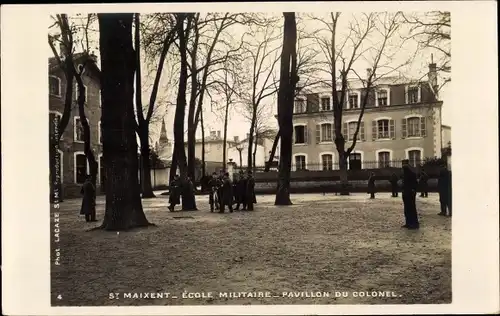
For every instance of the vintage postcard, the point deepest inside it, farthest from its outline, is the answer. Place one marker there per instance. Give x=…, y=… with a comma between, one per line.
x=250, y=158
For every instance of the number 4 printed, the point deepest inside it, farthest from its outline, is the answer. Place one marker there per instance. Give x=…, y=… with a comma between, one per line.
x=59, y=297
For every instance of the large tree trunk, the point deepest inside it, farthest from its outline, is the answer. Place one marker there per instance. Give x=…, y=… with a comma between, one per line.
x=288, y=81
x=192, y=105
x=123, y=201
x=173, y=166
x=241, y=158
x=188, y=197
x=254, y=152
x=273, y=152
x=344, y=183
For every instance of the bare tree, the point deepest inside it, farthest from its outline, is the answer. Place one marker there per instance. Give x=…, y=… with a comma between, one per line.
x=261, y=61
x=370, y=35
x=143, y=122
x=432, y=30
x=286, y=94
x=67, y=41
x=182, y=19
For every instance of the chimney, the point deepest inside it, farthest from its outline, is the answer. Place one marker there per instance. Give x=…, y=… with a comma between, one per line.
x=433, y=76
x=218, y=134
x=236, y=139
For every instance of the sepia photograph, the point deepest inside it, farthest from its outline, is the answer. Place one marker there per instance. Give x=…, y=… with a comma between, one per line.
x=249, y=158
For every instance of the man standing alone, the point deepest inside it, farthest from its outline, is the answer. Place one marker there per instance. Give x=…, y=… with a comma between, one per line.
x=410, y=185
x=444, y=188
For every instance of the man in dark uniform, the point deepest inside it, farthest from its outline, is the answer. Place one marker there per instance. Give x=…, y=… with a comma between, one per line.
x=227, y=194
x=220, y=182
x=371, y=185
x=394, y=184
x=174, y=195
x=213, y=186
x=410, y=186
x=241, y=188
x=422, y=182
x=250, y=191
x=444, y=189
x=88, y=201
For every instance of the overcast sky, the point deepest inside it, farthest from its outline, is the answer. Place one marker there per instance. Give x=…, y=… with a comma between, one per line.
x=238, y=126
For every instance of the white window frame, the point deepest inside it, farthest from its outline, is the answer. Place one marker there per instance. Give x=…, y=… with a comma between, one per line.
x=324, y=96
x=388, y=91
x=348, y=106
x=419, y=96
x=75, y=154
x=355, y=151
x=305, y=104
x=75, y=118
x=293, y=133
x=86, y=92
x=380, y=119
x=294, y=160
x=321, y=154
x=61, y=162
x=59, y=84
x=407, y=152
x=321, y=133
x=419, y=116
x=377, y=152
x=354, y=121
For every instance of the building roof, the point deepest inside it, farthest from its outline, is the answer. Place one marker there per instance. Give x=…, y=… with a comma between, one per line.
x=78, y=58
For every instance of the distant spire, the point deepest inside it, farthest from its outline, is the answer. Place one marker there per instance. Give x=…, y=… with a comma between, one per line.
x=432, y=58
x=163, y=133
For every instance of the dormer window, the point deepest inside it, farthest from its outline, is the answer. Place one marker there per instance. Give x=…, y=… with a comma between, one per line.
x=412, y=94
x=325, y=104
x=382, y=98
x=353, y=100
x=299, y=106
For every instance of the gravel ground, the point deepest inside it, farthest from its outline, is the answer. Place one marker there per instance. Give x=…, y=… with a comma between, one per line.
x=322, y=246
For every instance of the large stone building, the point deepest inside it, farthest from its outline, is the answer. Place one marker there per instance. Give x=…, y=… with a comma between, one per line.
x=401, y=120
x=73, y=164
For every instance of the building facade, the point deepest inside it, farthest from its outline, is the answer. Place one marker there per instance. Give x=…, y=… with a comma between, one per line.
x=73, y=166
x=401, y=120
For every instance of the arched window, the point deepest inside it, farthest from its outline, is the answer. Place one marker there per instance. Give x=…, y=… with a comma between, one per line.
x=326, y=132
x=384, y=159
x=414, y=126
x=81, y=167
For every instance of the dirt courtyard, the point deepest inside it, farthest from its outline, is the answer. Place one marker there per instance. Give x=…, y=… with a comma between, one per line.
x=308, y=253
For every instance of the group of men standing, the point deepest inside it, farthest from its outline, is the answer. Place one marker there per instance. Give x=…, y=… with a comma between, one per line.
x=411, y=184
x=223, y=192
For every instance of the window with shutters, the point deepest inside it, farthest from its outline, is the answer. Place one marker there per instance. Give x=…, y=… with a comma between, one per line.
x=327, y=161
x=383, y=129
x=350, y=130
x=413, y=94
x=300, y=162
x=300, y=134
x=382, y=98
x=414, y=127
x=77, y=91
x=326, y=132
x=54, y=86
x=353, y=101
x=325, y=104
x=78, y=130
x=299, y=106
x=414, y=157
x=80, y=168
x=384, y=159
